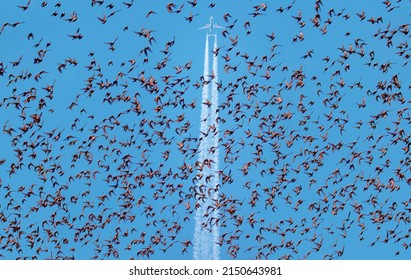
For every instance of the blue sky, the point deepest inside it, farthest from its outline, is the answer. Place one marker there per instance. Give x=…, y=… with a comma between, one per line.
x=257, y=114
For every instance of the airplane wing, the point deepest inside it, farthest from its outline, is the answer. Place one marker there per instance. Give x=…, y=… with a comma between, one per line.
x=217, y=26
x=206, y=26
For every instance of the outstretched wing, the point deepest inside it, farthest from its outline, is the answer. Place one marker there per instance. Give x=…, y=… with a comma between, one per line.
x=205, y=26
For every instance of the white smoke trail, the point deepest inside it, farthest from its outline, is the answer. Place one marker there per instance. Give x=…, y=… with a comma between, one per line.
x=215, y=155
x=204, y=108
x=206, y=232
x=198, y=232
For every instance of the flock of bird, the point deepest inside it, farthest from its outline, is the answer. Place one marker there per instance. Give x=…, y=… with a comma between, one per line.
x=99, y=112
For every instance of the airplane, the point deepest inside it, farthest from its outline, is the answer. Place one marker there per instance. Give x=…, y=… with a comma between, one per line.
x=211, y=25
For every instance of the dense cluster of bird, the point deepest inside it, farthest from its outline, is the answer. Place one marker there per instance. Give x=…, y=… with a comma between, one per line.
x=100, y=129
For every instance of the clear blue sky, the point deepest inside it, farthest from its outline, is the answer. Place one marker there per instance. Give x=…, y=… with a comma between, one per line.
x=259, y=114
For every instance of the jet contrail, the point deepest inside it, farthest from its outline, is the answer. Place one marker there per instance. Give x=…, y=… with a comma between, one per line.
x=215, y=155
x=198, y=232
x=206, y=232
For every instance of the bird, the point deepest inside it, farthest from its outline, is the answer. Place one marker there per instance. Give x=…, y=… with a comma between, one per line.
x=120, y=145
